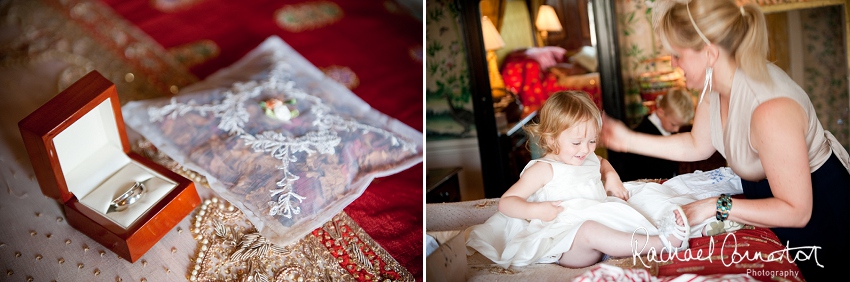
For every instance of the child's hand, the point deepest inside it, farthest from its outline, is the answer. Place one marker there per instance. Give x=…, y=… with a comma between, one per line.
x=615, y=188
x=548, y=211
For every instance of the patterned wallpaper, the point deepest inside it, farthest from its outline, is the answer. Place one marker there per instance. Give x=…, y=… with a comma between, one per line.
x=448, y=104
x=825, y=67
x=825, y=80
x=637, y=44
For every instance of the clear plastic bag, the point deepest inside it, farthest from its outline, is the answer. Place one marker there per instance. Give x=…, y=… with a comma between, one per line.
x=288, y=169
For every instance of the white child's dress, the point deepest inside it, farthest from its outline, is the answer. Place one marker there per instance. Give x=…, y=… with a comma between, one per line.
x=511, y=241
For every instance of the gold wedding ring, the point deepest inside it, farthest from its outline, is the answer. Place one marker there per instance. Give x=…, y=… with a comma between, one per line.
x=131, y=196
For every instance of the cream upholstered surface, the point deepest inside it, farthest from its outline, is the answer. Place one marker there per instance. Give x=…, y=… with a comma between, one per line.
x=458, y=216
x=447, y=219
x=36, y=241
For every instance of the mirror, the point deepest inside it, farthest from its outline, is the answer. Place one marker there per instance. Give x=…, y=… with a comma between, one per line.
x=499, y=172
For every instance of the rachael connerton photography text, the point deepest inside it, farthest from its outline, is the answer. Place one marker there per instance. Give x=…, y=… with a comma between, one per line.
x=802, y=253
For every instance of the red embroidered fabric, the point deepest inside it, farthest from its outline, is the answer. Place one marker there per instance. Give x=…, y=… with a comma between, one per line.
x=754, y=251
x=379, y=41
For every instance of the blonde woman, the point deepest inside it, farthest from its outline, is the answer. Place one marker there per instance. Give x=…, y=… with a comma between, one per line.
x=795, y=175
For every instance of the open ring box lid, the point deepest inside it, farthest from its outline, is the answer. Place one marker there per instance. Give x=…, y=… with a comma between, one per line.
x=81, y=156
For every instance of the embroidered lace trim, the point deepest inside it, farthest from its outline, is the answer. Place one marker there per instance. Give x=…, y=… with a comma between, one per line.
x=322, y=139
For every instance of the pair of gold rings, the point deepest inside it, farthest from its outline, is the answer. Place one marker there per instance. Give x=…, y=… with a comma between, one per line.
x=131, y=196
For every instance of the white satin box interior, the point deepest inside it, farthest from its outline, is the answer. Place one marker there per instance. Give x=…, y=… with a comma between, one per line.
x=81, y=156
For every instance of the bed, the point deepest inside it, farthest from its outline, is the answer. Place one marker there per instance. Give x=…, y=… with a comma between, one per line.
x=445, y=224
x=153, y=49
x=534, y=73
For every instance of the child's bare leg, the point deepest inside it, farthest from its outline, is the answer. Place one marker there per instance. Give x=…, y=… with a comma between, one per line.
x=594, y=239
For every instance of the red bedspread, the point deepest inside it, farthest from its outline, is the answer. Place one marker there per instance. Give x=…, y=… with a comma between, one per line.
x=373, y=47
x=533, y=84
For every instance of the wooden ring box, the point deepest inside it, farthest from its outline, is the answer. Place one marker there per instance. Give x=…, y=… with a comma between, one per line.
x=81, y=156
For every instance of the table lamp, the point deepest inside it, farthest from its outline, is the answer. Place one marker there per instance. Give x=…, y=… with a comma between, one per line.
x=547, y=20
x=492, y=42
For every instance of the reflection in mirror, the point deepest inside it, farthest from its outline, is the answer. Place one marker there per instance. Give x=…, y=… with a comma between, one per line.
x=549, y=47
x=466, y=124
x=540, y=53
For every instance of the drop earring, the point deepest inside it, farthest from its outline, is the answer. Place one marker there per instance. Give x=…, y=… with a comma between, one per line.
x=707, y=86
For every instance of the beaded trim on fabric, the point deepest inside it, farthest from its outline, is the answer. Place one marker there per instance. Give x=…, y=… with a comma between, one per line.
x=231, y=249
x=195, y=53
x=87, y=35
x=307, y=16
x=170, y=6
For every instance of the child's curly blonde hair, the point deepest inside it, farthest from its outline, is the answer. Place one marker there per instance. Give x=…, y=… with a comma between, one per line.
x=561, y=111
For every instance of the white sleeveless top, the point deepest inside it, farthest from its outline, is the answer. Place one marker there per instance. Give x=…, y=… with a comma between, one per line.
x=733, y=142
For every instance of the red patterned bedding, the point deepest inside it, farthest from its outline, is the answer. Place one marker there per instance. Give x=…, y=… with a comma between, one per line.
x=752, y=250
x=534, y=81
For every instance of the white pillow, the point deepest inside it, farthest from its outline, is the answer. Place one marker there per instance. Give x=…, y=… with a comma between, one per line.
x=287, y=176
x=586, y=58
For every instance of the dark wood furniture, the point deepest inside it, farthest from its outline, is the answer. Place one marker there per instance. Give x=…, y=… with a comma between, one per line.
x=442, y=185
x=515, y=152
x=574, y=20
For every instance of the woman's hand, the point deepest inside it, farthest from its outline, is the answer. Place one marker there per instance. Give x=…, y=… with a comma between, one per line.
x=701, y=210
x=548, y=211
x=615, y=134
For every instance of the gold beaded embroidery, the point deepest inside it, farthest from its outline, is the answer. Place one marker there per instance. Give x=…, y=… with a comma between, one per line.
x=749, y=265
x=230, y=248
x=84, y=35
x=170, y=6
x=690, y=269
x=195, y=53
x=307, y=16
x=496, y=269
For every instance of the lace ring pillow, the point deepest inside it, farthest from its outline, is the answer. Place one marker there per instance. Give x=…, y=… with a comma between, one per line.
x=277, y=138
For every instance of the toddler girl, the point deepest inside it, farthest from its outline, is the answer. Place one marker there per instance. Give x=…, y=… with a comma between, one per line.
x=568, y=207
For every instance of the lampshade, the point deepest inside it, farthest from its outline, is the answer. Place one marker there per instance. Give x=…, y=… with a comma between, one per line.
x=492, y=39
x=547, y=19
